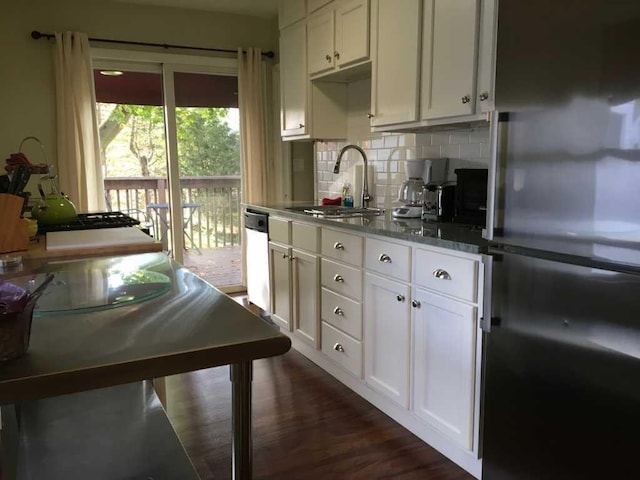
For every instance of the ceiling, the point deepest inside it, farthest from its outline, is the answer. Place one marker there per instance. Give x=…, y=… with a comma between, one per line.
x=255, y=8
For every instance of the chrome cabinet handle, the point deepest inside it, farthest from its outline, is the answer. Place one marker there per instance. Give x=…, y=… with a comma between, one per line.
x=338, y=311
x=441, y=274
x=338, y=278
x=384, y=258
x=415, y=304
x=337, y=55
x=338, y=246
x=301, y=125
x=328, y=57
x=400, y=298
x=292, y=258
x=370, y=115
x=483, y=96
x=466, y=99
x=284, y=255
x=338, y=348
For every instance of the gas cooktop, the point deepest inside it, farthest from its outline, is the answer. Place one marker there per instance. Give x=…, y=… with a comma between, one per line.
x=89, y=221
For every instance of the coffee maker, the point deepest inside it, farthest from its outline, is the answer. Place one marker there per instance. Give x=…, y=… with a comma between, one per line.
x=411, y=190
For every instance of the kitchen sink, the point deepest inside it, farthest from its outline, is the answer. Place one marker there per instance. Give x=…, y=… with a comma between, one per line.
x=337, y=211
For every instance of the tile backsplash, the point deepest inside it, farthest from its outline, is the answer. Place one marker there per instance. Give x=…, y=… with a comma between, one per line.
x=447, y=150
x=454, y=148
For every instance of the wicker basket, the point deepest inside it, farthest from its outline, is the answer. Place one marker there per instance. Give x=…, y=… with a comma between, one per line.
x=15, y=330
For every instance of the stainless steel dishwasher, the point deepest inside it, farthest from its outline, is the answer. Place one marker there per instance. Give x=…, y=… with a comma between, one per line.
x=256, y=226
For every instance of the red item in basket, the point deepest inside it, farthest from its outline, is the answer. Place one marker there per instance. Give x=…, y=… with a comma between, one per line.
x=332, y=201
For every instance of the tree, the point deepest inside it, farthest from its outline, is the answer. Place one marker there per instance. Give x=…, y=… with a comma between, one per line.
x=112, y=126
x=206, y=144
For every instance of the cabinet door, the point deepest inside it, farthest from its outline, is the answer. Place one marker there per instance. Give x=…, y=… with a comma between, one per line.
x=290, y=11
x=449, y=52
x=395, y=67
x=293, y=80
x=386, y=336
x=352, y=32
x=444, y=346
x=306, y=293
x=487, y=55
x=280, y=275
x=320, y=29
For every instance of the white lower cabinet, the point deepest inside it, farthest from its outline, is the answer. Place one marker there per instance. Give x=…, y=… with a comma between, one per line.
x=387, y=337
x=444, y=364
x=280, y=278
x=305, y=293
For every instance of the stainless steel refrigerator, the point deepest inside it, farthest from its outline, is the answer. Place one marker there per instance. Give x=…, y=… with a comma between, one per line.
x=561, y=372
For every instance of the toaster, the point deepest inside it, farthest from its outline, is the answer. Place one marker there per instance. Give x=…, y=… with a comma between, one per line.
x=438, y=202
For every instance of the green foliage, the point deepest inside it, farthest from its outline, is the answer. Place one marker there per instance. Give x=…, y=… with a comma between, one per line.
x=206, y=144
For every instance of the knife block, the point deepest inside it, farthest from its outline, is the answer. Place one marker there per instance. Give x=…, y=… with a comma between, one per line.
x=13, y=231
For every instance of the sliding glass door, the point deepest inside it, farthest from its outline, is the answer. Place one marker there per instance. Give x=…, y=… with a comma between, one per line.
x=170, y=137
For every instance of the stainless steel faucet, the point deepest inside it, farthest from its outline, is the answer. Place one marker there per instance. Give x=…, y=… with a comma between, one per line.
x=366, y=198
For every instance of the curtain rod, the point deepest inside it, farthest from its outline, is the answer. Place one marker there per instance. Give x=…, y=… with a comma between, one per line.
x=38, y=35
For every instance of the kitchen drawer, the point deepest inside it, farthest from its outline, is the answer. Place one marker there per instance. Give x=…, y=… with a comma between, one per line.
x=390, y=259
x=342, y=349
x=454, y=276
x=342, y=279
x=280, y=230
x=305, y=236
x=341, y=246
x=342, y=313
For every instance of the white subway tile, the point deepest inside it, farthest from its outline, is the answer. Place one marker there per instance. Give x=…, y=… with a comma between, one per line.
x=459, y=136
x=391, y=141
x=451, y=151
x=485, y=150
x=432, y=151
x=470, y=150
x=480, y=134
x=440, y=138
x=377, y=143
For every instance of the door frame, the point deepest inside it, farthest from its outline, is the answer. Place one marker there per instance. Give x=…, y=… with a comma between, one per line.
x=168, y=64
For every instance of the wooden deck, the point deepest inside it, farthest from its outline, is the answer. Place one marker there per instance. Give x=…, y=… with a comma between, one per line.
x=221, y=267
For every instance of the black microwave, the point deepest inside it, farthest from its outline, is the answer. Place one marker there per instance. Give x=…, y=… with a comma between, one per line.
x=471, y=196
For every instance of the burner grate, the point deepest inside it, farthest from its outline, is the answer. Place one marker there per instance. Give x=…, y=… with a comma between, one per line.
x=90, y=221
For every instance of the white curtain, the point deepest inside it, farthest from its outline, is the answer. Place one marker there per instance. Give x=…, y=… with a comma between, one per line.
x=79, y=168
x=255, y=133
x=256, y=165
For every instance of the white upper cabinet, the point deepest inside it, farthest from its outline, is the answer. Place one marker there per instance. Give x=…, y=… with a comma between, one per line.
x=352, y=32
x=487, y=55
x=449, y=52
x=313, y=5
x=338, y=36
x=321, y=29
x=290, y=11
x=293, y=79
x=395, y=83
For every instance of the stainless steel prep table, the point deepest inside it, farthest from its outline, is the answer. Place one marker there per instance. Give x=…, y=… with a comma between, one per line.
x=186, y=326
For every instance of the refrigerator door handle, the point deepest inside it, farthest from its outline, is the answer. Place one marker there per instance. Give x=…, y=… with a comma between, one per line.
x=487, y=320
x=497, y=137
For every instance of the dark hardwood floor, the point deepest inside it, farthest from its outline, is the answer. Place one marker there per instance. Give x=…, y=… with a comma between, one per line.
x=307, y=425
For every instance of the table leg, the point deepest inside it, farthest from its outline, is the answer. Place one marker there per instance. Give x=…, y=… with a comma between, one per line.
x=9, y=442
x=241, y=376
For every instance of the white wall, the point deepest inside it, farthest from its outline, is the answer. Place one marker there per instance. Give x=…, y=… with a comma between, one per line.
x=464, y=147
x=27, y=99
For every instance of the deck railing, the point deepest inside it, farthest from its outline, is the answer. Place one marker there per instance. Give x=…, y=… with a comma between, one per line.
x=213, y=222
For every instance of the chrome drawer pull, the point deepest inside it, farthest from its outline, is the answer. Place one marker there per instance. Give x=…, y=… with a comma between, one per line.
x=338, y=246
x=400, y=298
x=384, y=258
x=284, y=255
x=338, y=311
x=415, y=304
x=441, y=274
x=338, y=348
x=338, y=278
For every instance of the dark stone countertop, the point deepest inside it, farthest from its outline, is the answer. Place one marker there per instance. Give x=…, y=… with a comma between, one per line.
x=453, y=236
